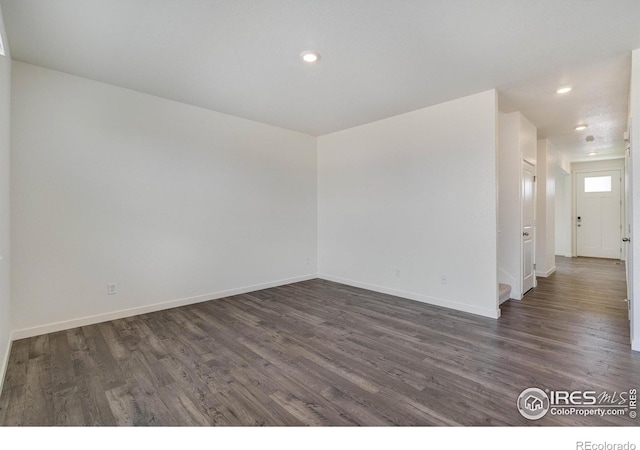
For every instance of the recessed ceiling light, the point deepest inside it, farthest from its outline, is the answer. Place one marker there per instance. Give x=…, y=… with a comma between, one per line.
x=593, y=153
x=310, y=56
x=563, y=90
x=581, y=127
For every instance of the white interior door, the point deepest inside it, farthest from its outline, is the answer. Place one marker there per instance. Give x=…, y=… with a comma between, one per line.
x=598, y=210
x=528, y=226
x=627, y=231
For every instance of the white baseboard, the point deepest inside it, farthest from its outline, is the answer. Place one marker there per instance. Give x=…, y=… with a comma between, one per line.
x=90, y=320
x=547, y=273
x=491, y=313
x=635, y=345
x=4, y=363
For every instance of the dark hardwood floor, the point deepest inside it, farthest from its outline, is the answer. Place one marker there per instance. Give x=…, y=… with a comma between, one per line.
x=320, y=353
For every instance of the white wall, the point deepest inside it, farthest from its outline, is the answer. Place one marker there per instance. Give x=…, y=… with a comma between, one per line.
x=414, y=193
x=517, y=142
x=635, y=186
x=171, y=202
x=545, y=208
x=509, y=200
x=563, y=162
x=528, y=141
x=563, y=212
x=594, y=166
x=5, y=304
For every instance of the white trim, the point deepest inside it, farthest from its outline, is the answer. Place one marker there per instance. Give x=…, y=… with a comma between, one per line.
x=595, y=167
x=4, y=364
x=534, y=225
x=635, y=345
x=547, y=273
x=89, y=320
x=485, y=312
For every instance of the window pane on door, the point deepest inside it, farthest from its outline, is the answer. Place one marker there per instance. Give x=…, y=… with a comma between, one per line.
x=597, y=184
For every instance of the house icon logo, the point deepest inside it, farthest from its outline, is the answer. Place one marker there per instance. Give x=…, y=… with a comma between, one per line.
x=533, y=403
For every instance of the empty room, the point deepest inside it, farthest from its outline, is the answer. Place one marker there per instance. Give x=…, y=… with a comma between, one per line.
x=319, y=213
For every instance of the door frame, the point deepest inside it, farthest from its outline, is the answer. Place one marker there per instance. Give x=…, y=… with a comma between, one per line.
x=589, y=167
x=576, y=192
x=627, y=232
x=534, y=225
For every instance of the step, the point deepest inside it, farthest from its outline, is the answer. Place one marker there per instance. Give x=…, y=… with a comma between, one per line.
x=505, y=292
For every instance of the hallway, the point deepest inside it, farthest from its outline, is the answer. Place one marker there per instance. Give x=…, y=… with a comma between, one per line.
x=575, y=325
x=583, y=302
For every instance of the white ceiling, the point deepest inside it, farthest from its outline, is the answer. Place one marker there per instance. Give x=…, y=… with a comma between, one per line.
x=379, y=58
x=599, y=99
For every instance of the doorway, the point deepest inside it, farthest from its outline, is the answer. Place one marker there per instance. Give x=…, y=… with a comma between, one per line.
x=528, y=227
x=598, y=214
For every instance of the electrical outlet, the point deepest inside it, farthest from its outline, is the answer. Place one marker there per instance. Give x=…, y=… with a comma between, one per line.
x=443, y=279
x=398, y=273
x=111, y=288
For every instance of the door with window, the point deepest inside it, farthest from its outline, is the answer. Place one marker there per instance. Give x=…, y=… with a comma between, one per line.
x=598, y=214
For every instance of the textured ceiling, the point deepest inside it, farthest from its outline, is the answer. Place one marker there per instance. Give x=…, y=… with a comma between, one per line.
x=599, y=99
x=379, y=58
